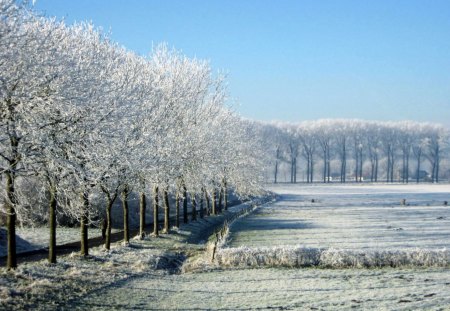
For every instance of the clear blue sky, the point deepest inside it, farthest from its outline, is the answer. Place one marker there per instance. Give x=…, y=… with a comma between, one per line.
x=298, y=60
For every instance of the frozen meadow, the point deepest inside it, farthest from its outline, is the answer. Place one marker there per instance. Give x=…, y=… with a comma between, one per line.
x=345, y=237
x=355, y=217
x=345, y=226
x=342, y=221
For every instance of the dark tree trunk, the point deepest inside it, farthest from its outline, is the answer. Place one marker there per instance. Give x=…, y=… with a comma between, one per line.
x=166, y=211
x=360, y=165
x=220, y=199
x=308, y=167
x=357, y=167
x=276, y=171
x=372, y=170
x=418, y=168
x=437, y=160
x=328, y=165
x=213, y=202
x=376, y=169
x=194, y=207
x=208, y=206
x=295, y=170
x=84, y=251
x=177, y=210
x=126, y=230
x=155, y=211
x=388, y=166
x=142, y=208
x=276, y=164
x=11, y=221
x=292, y=170
x=225, y=194
x=52, y=225
x=407, y=168
x=202, y=200
x=343, y=163
x=109, y=205
x=185, y=205
x=392, y=166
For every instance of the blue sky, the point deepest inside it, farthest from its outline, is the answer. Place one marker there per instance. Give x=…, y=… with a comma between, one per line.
x=298, y=60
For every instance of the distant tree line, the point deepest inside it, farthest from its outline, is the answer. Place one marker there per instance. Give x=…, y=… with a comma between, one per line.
x=378, y=151
x=82, y=118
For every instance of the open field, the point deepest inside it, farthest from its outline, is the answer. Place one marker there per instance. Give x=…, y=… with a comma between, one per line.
x=351, y=219
x=342, y=216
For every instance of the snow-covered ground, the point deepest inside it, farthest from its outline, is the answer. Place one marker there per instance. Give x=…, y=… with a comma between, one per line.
x=351, y=220
x=280, y=289
x=354, y=217
x=29, y=239
x=360, y=218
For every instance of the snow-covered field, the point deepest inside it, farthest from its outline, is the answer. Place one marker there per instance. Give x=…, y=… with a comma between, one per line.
x=280, y=289
x=349, y=224
x=354, y=217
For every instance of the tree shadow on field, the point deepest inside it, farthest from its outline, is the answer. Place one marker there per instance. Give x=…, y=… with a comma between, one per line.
x=252, y=224
x=21, y=244
x=291, y=198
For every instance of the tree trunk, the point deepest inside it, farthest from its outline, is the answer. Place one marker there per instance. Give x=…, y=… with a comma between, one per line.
x=437, y=165
x=276, y=164
x=155, y=211
x=52, y=225
x=292, y=172
x=360, y=165
x=295, y=170
x=376, y=169
x=388, y=166
x=208, y=207
x=308, y=167
x=220, y=207
x=225, y=195
x=343, y=163
x=110, y=203
x=418, y=169
x=392, y=166
x=177, y=210
x=328, y=165
x=142, y=208
x=84, y=251
x=202, y=200
x=407, y=168
x=194, y=207
x=166, y=211
x=357, y=168
x=185, y=205
x=372, y=170
x=126, y=231
x=11, y=221
x=213, y=202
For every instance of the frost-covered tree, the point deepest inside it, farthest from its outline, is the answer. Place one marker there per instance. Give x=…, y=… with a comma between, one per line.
x=308, y=139
x=366, y=144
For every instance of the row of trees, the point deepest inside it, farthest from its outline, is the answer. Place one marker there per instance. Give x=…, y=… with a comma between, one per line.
x=82, y=118
x=367, y=143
